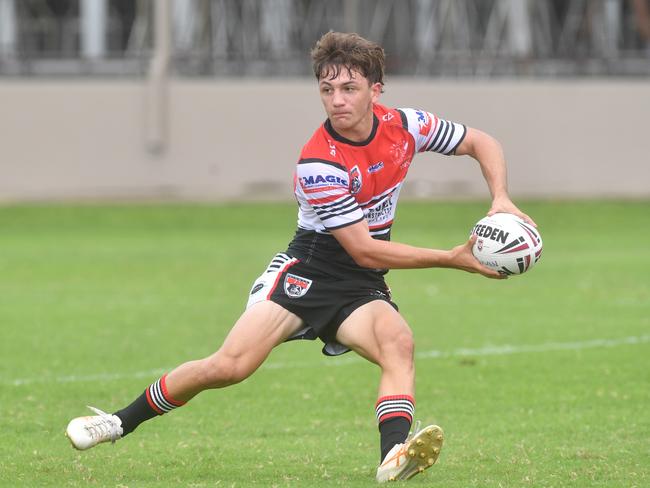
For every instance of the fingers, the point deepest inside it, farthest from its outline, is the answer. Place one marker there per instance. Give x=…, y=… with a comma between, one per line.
x=514, y=211
x=490, y=273
x=528, y=220
x=494, y=275
x=487, y=272
x=478, y=267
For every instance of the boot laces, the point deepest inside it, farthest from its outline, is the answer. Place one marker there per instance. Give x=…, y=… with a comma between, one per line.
x=103, y=426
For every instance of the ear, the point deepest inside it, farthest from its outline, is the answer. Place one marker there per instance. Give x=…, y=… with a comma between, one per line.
x=376, y=91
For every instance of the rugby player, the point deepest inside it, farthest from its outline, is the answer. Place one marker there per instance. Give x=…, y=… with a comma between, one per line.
x=329, y=283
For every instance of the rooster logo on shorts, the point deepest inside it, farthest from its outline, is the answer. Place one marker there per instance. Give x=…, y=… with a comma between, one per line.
x=296, y=286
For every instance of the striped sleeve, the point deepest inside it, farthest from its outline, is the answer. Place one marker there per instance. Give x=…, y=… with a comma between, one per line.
x=432, y=133
x=324, y=187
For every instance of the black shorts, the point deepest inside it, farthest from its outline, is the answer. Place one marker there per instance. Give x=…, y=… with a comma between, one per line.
x=321, y=300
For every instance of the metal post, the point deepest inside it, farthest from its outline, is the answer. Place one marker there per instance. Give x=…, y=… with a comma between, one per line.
x=157, y=78
x=613, y=20
x=93, y=28
x=7, y=29
x=425, y=28
x=519, y=28
x=276, y=18
x=351, y=15
x=185, y=22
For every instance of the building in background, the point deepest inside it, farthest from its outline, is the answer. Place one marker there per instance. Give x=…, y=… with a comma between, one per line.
x=230, y=38
x=212, y=99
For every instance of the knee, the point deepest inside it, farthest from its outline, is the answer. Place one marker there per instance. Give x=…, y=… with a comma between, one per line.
x=400, y=346
x=220, y=370
x=406, y=345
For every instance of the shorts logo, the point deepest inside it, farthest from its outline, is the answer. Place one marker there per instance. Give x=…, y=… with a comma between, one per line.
x=296, y=286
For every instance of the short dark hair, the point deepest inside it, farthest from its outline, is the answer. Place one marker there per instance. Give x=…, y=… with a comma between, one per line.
x=337, y=50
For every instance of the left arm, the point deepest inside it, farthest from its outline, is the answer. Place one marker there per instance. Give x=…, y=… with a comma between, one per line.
x=488, y=152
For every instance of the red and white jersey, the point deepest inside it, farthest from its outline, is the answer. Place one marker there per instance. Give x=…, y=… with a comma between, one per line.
x=339, y=182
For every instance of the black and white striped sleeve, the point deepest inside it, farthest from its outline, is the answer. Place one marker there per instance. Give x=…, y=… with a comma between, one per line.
x=432, y=133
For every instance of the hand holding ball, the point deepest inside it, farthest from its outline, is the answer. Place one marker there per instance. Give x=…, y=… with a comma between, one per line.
x=507, y=244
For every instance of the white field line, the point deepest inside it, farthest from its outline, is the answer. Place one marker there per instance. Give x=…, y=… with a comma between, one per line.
x=502, y=350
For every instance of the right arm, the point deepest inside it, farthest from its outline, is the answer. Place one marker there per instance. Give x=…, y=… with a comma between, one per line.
x=325, y=199
x=373, y=253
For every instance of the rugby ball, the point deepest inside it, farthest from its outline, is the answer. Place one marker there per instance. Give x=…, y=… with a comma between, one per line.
x=507, y=244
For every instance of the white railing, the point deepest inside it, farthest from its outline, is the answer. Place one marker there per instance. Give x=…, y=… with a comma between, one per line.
x=483, y=38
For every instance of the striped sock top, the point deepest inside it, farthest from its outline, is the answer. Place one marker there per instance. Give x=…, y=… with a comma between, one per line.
x=159, y=399
x=391, y=406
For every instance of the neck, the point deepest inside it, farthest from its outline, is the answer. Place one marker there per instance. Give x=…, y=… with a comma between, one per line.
x=360, y=131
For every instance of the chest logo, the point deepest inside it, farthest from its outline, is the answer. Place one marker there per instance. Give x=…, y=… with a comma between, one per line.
x=399, y=153
x=355, y=180
x=296, y=286
x=376, y=167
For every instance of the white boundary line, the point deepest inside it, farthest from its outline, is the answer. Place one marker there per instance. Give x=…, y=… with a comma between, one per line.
x=502, y=350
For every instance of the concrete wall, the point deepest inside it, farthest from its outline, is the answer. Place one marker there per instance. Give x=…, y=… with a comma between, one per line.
x=240, y=139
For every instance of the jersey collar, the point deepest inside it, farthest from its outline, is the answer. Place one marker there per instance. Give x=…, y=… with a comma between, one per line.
x=336, y=136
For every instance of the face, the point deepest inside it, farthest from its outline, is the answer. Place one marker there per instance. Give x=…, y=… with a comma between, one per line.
x=348, y=100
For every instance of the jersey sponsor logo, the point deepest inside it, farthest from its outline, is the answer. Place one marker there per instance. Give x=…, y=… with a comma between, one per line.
x=322, y=180
x=387, y=117
x=376, y=167
x=382, y=212
x=424, y=122
x=355, y=180
x=296, y=286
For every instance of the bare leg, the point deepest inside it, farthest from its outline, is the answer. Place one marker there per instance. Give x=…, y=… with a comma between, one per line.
x=377, y=332
x=261, y=327
x=248, y=344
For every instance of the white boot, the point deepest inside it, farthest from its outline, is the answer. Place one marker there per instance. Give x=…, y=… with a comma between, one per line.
x=87, y=432
x=418, y=452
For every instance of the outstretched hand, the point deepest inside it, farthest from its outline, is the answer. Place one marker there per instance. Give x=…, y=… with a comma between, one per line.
x=462, y=258
x=505, y=205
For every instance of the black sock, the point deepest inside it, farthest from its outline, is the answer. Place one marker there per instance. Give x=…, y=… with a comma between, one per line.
x=135, y=414
x=392, y=431
x=154, y=401
x=394, y=416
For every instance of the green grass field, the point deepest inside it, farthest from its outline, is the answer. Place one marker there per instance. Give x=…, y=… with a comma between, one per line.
x=541, y=380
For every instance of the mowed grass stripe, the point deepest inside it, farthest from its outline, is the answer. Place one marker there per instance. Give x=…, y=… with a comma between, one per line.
x=495, y=350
